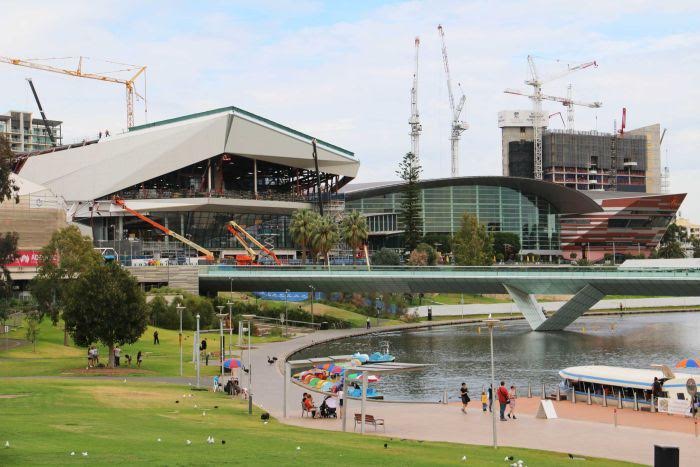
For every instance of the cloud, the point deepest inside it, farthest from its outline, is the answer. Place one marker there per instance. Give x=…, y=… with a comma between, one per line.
x=342, y=72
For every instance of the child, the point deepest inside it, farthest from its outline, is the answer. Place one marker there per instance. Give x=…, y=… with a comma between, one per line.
x=484, y=401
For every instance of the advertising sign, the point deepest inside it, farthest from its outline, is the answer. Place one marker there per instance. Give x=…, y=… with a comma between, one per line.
x=26, y=259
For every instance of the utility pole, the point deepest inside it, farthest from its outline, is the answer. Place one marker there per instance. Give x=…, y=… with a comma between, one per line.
x=414, y=121
x=457, y=126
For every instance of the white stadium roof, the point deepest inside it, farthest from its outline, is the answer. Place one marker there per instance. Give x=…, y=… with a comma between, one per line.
x=117, y=162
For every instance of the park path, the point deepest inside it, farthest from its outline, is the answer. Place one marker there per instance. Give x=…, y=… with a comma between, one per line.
x=580, y=435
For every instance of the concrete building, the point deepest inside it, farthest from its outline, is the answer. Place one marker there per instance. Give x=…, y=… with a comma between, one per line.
x=28, y=134
x=582, y=160
x=692, y=230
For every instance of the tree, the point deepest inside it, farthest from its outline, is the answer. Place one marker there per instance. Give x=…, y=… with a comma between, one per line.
x=354, y=230
x=105, y=304
x=32, y=332
x=301, y=229
x=670, y=245
x=507, y=244
x=8, y=253
x=472, y=244
x=418, y=258
x=8, y=187
x=410, y=213
x=67, y=255
x=386, y=257
x=325, y=236
x=431, y=255
x=696, y=247
x=158, y=312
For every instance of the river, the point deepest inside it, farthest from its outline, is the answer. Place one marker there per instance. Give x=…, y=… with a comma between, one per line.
x=461, y=353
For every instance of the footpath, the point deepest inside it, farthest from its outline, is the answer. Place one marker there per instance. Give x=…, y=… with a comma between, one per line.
x=581, y=430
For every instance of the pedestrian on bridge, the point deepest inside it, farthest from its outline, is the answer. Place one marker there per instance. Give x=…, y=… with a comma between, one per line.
x=369, y=325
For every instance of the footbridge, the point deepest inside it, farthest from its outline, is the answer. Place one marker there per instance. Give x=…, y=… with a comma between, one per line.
x=587, y=285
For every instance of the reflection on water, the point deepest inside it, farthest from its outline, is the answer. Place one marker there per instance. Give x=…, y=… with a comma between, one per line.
x=461, y=354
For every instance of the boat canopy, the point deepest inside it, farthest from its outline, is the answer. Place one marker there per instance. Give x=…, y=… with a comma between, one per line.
x=614, y=376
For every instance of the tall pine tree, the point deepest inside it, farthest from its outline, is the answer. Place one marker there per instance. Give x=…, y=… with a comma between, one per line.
x=410, y=213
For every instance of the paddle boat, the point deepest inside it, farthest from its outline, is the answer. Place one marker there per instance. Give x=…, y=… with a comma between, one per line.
x=381, y=357
x=611, y=382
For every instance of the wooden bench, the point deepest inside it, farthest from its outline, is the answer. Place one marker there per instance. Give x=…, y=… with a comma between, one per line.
x=369, y=420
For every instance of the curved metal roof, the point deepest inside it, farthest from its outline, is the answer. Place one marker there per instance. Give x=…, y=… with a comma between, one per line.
x=565, y=200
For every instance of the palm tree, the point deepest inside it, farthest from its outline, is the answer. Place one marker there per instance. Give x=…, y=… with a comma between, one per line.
x=354, y=230
x=301, y=228
x=325, y=236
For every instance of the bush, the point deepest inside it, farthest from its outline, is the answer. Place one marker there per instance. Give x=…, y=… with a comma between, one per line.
x=386, y=257
x=431, y=255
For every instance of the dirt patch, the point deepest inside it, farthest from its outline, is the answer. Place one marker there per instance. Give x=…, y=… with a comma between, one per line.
x=72, y=428
x=107, y=372
x=12, y=396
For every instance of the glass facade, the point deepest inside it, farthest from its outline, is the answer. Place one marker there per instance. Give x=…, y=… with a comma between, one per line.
x=499, y=208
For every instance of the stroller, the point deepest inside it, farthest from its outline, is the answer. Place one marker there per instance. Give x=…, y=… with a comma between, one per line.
x=327, y=412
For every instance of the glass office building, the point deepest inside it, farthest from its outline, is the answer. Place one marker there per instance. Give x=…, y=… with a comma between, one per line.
x=528, y=208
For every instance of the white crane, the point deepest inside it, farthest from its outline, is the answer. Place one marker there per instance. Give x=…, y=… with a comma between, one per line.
x=414, y=121
x=457, y=126
x=537, y=97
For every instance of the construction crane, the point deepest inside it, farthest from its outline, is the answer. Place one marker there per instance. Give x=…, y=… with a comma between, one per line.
x=41, y=110
x=457, y=126
x=241, y=235
x=537, y=97
x=78, y=71
x=414, y=121
x=120, y=202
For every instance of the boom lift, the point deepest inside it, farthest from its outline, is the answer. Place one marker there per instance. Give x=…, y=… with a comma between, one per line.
x=243, y=237
x=208, y=254
x=43, y=115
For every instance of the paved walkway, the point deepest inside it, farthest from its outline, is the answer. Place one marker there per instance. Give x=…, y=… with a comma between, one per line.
x=436, y=422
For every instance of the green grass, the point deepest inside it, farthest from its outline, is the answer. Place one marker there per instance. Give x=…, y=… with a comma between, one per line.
x=53, y=358
x=356, y=320
x=119, y=424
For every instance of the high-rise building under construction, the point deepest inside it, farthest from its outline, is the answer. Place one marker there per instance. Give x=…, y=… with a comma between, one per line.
x=583, y=160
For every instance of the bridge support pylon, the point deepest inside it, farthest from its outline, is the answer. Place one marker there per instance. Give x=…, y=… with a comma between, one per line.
x=567, y=314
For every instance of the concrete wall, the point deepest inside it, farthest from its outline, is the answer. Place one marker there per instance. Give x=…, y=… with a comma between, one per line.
x=181, y=277
x=653, y=175
x=34, y=225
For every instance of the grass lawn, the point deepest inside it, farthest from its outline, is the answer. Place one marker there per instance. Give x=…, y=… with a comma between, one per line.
x=53, y=358
x=120, y=423
x=456, y=299
x=356, y=320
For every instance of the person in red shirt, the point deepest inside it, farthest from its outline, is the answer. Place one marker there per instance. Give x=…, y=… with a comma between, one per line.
x=503, y=399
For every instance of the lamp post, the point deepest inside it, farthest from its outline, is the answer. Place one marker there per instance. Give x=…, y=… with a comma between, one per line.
x=221, y=317
x=230, y=327
x=180, y=309
x=199, y=355
x=286, y=320
x=249, y=320
x=491, y=322
x=313, y=292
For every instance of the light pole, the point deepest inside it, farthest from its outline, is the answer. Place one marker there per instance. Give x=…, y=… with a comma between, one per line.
x=199, y=355
x=491, y=322
x=286, y=320
x=221, y=317
x=180, y=309
x=249, y=320
x=230, y=327
x=313, y=292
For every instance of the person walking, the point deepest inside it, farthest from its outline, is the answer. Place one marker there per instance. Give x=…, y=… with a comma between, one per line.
x=484, y=401
x=502, y=394
x=464, y=393
x=117, y=355
x=490, y=397
x=512, y=395
x=341, y=396
x=156, y=339
x=369, y=325
x=139, y=359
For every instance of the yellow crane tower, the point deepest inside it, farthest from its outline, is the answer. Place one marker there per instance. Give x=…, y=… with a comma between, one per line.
x=78, y=71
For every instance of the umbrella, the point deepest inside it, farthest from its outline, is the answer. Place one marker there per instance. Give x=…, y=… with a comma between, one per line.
x=313, y=382
x=688, y=363
x=370, y=378
x=337, y=370
x=232, y=363
x=327, y=367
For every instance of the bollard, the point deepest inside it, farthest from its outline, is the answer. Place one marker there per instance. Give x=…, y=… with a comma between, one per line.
x=605, y=399
x=696, y=428
x=619, y=399
x=544, y=392
x=558, y=393
x=444, y=396
x=636, y=402
x=529, y=390
x=615, y=417
x=573, y=395
x=588, y=396
x=653, y=407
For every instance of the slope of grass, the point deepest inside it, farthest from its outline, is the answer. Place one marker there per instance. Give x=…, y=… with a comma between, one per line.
x=121, y=424
x=357, y=320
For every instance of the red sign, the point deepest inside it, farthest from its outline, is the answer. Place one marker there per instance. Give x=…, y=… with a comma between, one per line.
x=26, y=259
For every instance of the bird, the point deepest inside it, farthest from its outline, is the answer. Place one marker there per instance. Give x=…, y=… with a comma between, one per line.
x=298, y=448
x=72, y=453
x=85, y=454
x=177, y=402
x=265, y=423
x=125, y=380
x=508, y=458
x=158, y=440
x=223, y=441
x=210, y=440
x=386, y=445
x=203, y=414
x=7, y=444
x=464, y=458
x=188, y=442
x=195, y=406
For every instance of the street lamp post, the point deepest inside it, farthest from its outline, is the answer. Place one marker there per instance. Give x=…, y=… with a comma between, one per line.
x=286, y=320
x=249, y=319
x=491, y=322
x=199, y=356
x=313, y=292
x=180, y=309
x=221, y=317
x=230, y=327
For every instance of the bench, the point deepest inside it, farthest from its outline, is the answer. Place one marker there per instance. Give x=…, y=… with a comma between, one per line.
x=369, y=420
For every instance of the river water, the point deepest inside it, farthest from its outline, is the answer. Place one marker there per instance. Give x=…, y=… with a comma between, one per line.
x=461, y=353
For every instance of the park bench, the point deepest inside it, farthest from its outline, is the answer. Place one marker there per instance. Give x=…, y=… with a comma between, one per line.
x=369, y=420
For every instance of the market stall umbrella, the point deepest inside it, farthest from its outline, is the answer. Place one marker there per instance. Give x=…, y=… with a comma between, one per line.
x=688, y=363
x=232, y=363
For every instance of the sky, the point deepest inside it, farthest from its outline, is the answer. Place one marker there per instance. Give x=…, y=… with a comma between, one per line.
x=342, y=71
